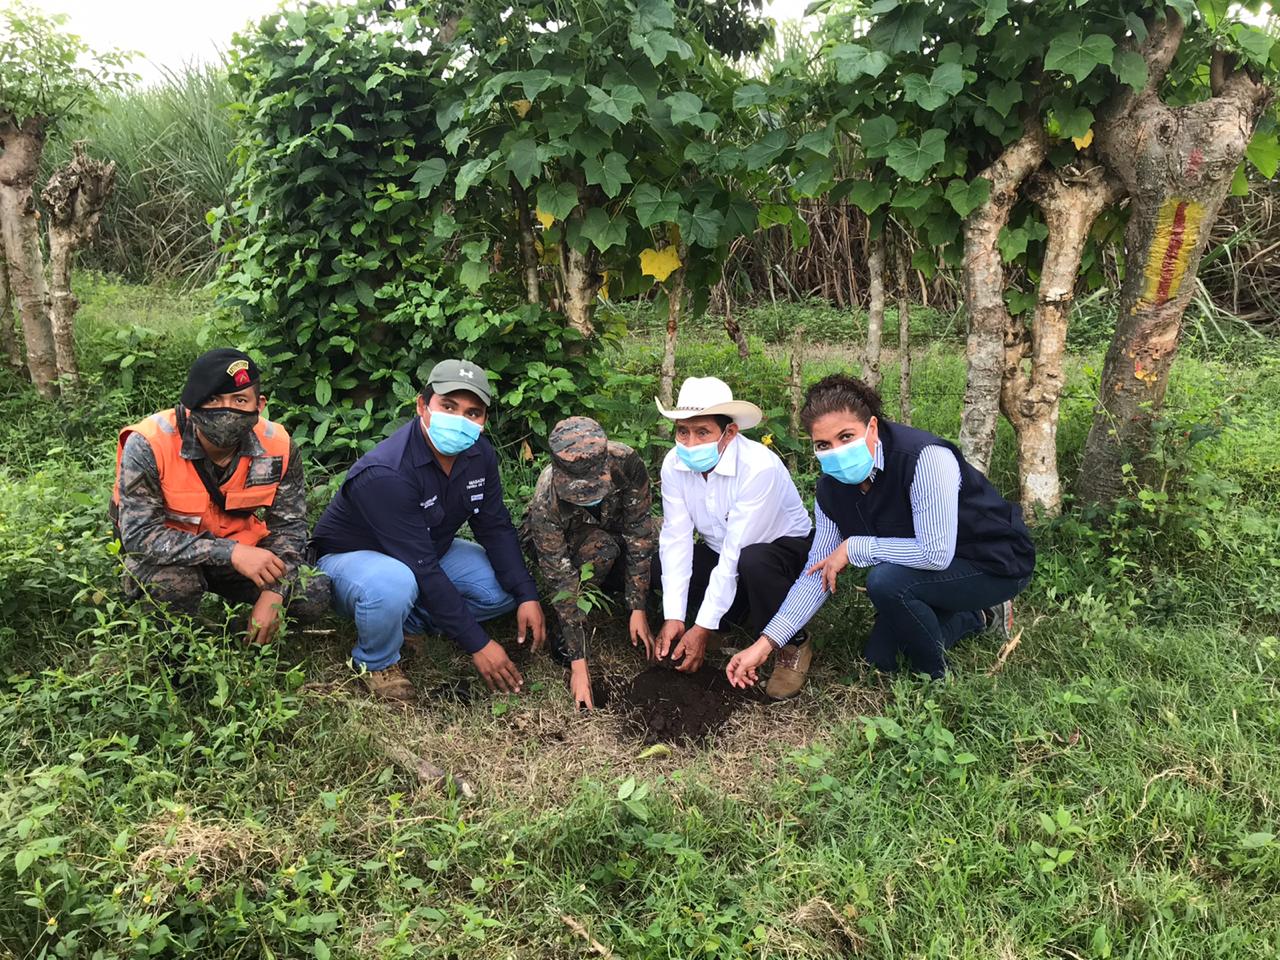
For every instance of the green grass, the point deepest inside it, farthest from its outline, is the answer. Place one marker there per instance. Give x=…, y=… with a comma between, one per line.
x=1110, y=792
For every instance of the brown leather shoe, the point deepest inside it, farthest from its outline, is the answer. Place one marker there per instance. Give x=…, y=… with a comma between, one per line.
x=790, y=667
x=390, y=684
x=412, y=646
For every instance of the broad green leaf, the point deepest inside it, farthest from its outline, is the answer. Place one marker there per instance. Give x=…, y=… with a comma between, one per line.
x=818, y=141
x=684, y=106
x=322, y=950
x=618, y=102
x=739, y=219
x=1256, y=841
x=22, y=860
x=653, y=205
x=533, y=82
x=1075, y=123
x=1264, y=153
x=1130, y=68
x=994, y=11
x=911, y=196
x=876, y=134
x=448, y=113
x=1077, y=57
x=1240, y=182
x=1254, y=42
x=926, y=262
x=472, y=172
x=705, y=223
x=750, y=95
x=658, y=44
x=767, y=149
x=814, y=176
x=968, y=197
x=1013, y=240
x=773, y=214
x=557, y=199
x=869, y=195
x=604, y=231
x=915, y=158
x=610, y=173
x=474, y=275
x=1002, y=97
x=853, y=61
x=899, y=31
x=652, y=15
x=944, y=83
x=453, y=140
x=522, y=160
x=429, y=175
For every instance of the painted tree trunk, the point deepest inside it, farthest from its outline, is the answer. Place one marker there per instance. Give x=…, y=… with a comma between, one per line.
x=1030, y=397
x=904, y=337
x=75, y=197
x=528, y=250
x=9, y=346
x=875, y=313
x=675, y=302
x=582, y=281
x=1177, y=164
x=20, y=238
x=984, y=294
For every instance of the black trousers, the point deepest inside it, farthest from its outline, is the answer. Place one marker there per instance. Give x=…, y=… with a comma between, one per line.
x=766, y=572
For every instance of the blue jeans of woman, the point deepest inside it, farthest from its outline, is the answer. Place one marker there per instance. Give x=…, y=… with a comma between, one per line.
x=924, y=613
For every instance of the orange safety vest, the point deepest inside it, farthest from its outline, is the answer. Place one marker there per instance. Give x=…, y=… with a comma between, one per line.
x=187, y=503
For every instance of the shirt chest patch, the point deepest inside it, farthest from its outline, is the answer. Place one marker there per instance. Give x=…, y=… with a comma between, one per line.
x=429, y=502
x=264, y=471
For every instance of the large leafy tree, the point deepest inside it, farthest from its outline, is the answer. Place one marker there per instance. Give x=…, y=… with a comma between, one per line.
x=1009, y=134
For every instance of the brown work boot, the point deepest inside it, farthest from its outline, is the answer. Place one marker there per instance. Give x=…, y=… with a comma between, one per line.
x=789, y=669
x=412, y=646
x=390, y=684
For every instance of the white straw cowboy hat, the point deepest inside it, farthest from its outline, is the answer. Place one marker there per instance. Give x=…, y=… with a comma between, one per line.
x=710, y=397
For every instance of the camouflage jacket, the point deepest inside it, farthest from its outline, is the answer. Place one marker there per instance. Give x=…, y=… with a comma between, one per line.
x=145, y=538
x=556, y=529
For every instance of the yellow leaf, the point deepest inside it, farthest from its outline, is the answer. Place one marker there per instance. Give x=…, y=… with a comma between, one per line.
x=522, y=107
x=544, y=218
x=659, y=264
x=1080, y=142
x=604, y=287
x=526, y=451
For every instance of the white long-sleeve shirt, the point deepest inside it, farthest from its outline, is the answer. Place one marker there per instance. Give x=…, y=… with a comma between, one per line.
x=748, y=498
x=935, y=499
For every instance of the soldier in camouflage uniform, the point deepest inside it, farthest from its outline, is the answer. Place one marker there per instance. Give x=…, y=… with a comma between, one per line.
x=190, y=485
x=592, y=505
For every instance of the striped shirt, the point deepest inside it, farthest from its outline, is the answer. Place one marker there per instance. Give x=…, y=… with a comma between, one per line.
x=935, y=499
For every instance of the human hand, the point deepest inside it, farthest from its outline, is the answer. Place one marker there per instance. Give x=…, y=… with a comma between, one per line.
x=261, y=567
x=264, y=618
x=640, y=633
x=669, y=634
x=742, y=668
x=531, y=622
x=691, y=649
x=580, y=684
x=496, y=668
x=830, y=568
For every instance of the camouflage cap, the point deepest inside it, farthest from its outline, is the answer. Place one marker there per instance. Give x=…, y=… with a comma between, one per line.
x=580, y=457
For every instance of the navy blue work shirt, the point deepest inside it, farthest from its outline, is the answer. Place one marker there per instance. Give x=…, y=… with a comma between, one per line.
x=397, y=500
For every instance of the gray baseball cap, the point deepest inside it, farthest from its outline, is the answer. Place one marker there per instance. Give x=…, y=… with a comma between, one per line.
x=450, y=375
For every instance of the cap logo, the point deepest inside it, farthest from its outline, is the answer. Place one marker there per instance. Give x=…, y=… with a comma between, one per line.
x=469, y=374
x=238, y=371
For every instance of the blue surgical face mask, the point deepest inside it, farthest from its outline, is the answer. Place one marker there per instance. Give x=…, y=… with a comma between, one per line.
x=851, y=463
x=593, y=503
x=451, y=434
x=700, y=458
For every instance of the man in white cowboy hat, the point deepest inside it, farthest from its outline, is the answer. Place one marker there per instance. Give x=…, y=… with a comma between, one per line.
x=738, y=495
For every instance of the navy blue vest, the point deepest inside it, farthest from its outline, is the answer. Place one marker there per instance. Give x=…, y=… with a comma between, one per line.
x=991, y=533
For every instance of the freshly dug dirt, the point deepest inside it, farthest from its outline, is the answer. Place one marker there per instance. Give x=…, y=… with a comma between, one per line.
x=662, y=705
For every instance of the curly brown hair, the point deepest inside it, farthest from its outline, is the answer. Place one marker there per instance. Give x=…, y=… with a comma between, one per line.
x=839, y=392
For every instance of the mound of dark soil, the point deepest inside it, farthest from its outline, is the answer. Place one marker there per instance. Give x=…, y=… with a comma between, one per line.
x=662, y=705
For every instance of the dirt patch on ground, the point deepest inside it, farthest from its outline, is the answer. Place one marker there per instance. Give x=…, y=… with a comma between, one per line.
x=662, y=705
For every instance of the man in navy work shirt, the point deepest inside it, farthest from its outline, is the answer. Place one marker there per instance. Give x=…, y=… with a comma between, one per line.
x=388, y=540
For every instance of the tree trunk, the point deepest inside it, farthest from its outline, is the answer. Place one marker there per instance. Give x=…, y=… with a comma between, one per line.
x=984, y=293
x=734, y=330
x=904, y=337
x=1177, y=164
x=582, y=282
x=8, y=330
x=528, y=250
x=875, y=313
x=1029, y=398
x=75, y=197
x=675, y=301
x=20, y=150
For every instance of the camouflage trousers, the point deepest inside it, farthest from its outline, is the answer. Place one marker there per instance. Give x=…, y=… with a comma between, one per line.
x=182, y=588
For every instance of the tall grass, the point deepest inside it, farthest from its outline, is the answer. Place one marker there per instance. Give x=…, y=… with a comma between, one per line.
x=172, y=144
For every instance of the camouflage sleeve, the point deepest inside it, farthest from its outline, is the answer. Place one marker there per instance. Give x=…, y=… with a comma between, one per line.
x=286, y=518
x=638, y=529
x=141, y=517
x=556, y=566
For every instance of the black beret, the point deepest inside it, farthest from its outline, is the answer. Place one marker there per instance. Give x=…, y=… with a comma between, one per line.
x=219, y=371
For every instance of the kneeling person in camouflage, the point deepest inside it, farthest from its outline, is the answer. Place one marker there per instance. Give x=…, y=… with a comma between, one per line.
x=591, y=505
x=209, y=496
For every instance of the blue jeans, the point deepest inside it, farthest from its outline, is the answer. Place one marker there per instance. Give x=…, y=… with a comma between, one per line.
x=381, y=594
x=923, y=613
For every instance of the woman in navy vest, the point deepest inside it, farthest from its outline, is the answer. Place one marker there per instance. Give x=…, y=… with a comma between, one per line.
x=947, y=554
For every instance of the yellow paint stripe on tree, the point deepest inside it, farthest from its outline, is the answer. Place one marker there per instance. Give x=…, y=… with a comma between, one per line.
x=1177, y=228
